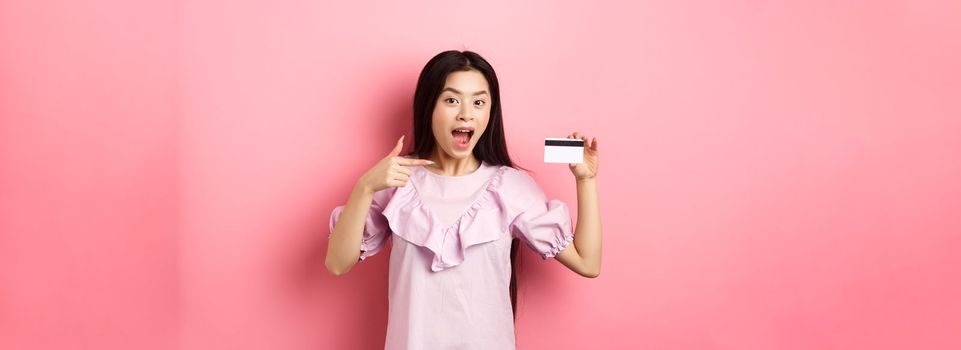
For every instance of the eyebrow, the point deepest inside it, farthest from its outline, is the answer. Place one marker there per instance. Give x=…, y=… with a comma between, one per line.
x=482, y=92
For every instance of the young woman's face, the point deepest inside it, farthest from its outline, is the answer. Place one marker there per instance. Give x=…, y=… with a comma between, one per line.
x=463, y=104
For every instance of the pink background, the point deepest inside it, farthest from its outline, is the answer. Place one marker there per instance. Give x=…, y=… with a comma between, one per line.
x=773, y=175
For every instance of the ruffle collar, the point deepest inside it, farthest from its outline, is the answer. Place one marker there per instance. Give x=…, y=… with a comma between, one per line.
x=483, y=221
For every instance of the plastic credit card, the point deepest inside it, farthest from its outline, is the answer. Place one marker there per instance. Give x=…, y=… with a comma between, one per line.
x=563, y=150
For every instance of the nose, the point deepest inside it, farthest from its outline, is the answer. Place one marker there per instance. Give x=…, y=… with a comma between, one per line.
x=464, y=116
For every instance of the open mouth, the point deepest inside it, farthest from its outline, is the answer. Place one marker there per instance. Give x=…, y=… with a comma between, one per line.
x=462, y=137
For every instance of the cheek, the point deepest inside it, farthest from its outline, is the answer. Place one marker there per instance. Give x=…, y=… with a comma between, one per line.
x=442, y=115
x=484, y=123
x=438, y=135
x=437, y=119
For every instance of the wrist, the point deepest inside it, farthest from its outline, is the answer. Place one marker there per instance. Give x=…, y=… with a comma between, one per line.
x=362, y=187
x=586, y=179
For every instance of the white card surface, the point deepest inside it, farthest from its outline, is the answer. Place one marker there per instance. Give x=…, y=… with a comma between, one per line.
x=563, y=150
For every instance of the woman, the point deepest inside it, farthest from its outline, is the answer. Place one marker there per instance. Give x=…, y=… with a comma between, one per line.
x=455, y=209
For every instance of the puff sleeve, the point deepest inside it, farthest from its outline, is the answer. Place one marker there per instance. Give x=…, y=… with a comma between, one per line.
x=544, y=225
x=376, y=227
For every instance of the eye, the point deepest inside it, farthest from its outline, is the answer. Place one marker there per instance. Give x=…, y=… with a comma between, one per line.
x=480, y=103
x=450, y=100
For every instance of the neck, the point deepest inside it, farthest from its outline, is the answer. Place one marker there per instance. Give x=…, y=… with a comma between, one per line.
x=446, y=165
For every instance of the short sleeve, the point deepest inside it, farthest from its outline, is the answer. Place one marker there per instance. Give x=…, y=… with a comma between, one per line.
x=545, y=226
x=376, y=227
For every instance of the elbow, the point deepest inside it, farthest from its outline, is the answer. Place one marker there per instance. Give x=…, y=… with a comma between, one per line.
x=590, y=271
x=336, y=270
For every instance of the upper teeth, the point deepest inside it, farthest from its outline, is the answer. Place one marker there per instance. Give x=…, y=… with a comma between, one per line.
x=467, y=131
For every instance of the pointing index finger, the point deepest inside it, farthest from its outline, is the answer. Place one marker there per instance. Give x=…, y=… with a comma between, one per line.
x=414, y=162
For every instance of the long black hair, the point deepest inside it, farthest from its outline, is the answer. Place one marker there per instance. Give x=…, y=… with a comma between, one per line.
x=490, y=148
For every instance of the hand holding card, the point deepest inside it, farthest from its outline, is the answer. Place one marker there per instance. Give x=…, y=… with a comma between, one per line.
x=586, y=169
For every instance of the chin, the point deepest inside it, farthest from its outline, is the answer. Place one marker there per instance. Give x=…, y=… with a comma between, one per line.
x=460, y=154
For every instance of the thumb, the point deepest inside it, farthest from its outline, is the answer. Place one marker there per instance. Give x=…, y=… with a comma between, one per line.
x=400, y=145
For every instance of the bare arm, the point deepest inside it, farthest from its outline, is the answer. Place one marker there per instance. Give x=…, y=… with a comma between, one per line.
x=343, y=248
x=584, y=255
